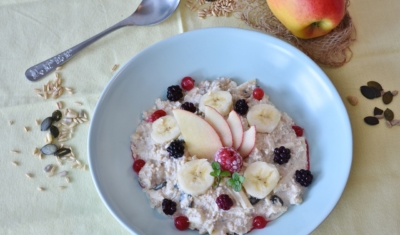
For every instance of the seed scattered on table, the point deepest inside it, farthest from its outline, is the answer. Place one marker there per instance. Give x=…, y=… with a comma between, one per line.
x=35, y=151
x=352, y=100
x=59, y=68
x=59, y=105
x=26, y=128
x=48, y=168
x=15, y=163
x=29, y=175
x=40, y=188
x=37, y=121
x=67, y=180
x=371, y=120
x=15, y=151
x=10, y=122
x=63, y=173
x=114, y=67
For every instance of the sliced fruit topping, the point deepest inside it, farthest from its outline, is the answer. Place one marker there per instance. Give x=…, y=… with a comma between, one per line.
x=174, y=93
x=181, y=223
x=258, y=93
x=168, y=206
x=236, y=126
x=176, y=148
x=264, y=116
x=259, y=222
x=241, y=107
x=156, y=115
x=138, y=164
x=229, y=159
x=187, y=83
x=224, y=202
x=281, y=155
x=304, y=177
x=220, y=125
x=220, y=100
x=188, y=106
x=249, y=142
x=298, y=130
x=261, y=179
x=165, y=129
x=194, y=177
x=200, y=137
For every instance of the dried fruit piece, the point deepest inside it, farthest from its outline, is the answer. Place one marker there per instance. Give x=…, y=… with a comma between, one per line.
x=394, y=93
x=49, y=149
x=387, y=97
x=395, y=122
x=56, y=115
x=389, y=115
x=62, y=152
x=378, y=111
x=45, y=125
x=374, y=85
x=352, y=100
x=368, y=92
x=371, y=120
x=54, y=131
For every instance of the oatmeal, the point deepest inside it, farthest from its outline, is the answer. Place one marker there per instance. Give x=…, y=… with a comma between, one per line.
x=220, y=155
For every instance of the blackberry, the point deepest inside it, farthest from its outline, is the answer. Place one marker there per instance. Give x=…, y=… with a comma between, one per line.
x=176, y=148
x=304, y=177
x=168, y=206
x=241, y=107
x=174, y=93
x=188, y=106
x=282, y=155
x=276, y=200
x=254, y=200
x=224, y=202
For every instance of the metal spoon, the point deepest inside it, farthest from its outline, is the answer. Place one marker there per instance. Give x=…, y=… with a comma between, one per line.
x=149, y=12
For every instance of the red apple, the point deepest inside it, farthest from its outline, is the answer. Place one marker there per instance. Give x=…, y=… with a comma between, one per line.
x=218, y=122
x=308, y=18
x=236, y=126
x=249, y=141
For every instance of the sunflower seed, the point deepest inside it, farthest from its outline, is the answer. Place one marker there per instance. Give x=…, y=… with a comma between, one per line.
x=389, y=115
x=49, y=149
x=63, y=173
x=26, y=128
x=15, y=163
x=48, y=168
x=367, y=92
x=29, y=175
x=371, y=120
x=54, y=131
x=40, y=188
x=61, y=152
x=387, y=97
x=45, y=125
x=37, y=122
x=374, y=85
x=35, y=151
x=378, y=111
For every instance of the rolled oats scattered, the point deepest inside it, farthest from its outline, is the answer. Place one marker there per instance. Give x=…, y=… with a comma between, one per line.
x=35, y=151
x=40, y=188
x=26, y=128
x=37, y=122
x=59, y=68
x=15, y=163
x=67, y=180
x=15, y=151
x=114, y=67
x=37, y=90
x=29, y=175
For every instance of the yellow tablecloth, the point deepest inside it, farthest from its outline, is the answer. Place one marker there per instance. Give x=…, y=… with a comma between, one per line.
x=34, y=30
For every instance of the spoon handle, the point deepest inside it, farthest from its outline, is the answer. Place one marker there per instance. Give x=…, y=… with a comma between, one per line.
x=37, y=72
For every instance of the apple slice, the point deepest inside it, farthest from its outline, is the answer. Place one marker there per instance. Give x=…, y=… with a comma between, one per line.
x=220, y=125
x=236, y=126
x=249, y=141
x=200, y=137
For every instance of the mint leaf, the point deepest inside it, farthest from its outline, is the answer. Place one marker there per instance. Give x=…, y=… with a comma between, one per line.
x=215, y=166
x=231, y=182
x=225, y=173
x=241, y=178
x=213, y=174
x=237, y=188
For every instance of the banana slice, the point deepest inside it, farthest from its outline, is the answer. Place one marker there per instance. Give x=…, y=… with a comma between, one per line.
x=165, y=129
x=264, y=116
x=194, y=177
x=220, y=100
x=260, y=179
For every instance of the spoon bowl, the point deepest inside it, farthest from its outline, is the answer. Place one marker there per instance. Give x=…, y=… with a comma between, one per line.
x=149, y=12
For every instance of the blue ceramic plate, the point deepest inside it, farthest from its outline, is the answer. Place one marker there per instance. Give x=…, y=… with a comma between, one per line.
x=295, y=84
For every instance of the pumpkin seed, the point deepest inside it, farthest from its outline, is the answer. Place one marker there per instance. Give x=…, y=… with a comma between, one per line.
x=387, y=97
x=377, y=92
x=374, y=85
x=54, y=131
x=56, y=115
x=371, y=120
x=389, y=115
x=160, y=186
x=62, y=152
x=49, y=149
x=45, y=125
x=368, y=92
x=378, y=111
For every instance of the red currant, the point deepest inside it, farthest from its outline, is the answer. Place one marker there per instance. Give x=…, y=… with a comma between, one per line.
x=258, y=93
x=259, y=222
x=187, y=83
x=298, y=130
x=137, y=165
x=156, y=115
x=181, y=222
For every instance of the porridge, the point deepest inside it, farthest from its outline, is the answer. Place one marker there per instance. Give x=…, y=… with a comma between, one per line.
x=220, y=157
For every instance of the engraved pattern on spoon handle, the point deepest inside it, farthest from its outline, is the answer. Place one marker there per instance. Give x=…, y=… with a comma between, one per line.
x=37, y=72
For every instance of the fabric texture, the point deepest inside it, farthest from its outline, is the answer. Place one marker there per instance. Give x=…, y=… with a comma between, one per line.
x=34, y=30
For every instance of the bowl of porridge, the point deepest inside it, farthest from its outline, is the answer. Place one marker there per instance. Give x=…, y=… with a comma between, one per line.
x=170, y=121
